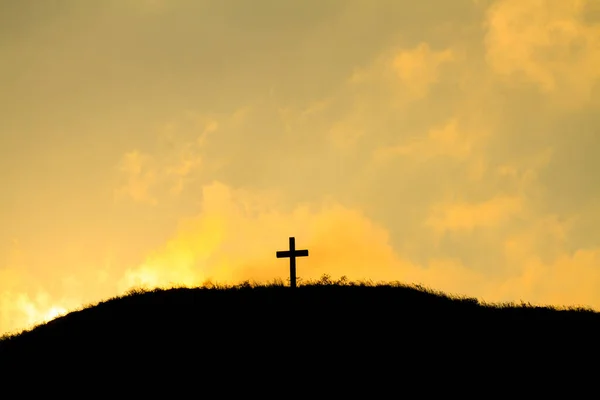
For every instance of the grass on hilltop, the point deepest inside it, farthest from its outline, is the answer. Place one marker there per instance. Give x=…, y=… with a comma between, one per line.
x=415, y=295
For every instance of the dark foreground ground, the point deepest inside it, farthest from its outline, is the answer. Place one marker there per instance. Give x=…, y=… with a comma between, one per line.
x=273, y=339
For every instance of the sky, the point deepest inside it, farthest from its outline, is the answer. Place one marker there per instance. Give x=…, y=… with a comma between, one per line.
x=146, y=143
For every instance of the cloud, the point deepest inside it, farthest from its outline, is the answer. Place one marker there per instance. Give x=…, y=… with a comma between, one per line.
x=177, y=160
x=140, y=177
x=24, y=302
x=236, y=235
x=547, y=269
x=550, y=45
x=448, y=139
x=466, y=216
x=407, y=74
x=418, y=68
x=344, y=135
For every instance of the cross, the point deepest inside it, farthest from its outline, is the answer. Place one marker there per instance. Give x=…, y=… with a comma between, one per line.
x=292, y=253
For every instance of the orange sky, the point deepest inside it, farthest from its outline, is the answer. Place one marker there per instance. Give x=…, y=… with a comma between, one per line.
x=152, y=142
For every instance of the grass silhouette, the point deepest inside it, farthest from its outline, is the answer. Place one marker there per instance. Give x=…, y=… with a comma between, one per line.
x=320, y=330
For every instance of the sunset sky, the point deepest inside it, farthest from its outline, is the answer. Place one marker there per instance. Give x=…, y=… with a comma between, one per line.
x=452, y=143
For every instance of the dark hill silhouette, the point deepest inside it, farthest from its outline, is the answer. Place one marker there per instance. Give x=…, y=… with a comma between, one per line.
x=273, y=336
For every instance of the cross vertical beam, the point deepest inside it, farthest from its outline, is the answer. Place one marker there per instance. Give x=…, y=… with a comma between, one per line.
x=292, y=253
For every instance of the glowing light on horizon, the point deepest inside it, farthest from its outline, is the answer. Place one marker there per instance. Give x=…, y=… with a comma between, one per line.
x=54, y=313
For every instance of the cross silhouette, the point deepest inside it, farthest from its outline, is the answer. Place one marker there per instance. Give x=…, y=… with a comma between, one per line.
x=292, y=253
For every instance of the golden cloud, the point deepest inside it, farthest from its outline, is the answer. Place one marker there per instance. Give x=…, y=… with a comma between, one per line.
x=237, y=234
x=140, y=177
x=400, y=75
x=467, y=216
x=144, y=176
x=566, y=277
x=418, y=68
x=549, y=45
x=445, y=140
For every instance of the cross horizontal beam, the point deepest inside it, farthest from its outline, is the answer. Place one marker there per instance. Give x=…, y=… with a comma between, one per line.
x=287, y=253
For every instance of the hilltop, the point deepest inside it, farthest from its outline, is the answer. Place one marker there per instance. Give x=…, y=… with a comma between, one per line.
x=266, y=330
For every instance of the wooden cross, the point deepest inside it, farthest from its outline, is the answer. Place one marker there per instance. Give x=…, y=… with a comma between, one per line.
x=292, y=253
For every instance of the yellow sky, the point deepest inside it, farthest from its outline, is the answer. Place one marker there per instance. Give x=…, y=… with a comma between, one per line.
x=452, y=143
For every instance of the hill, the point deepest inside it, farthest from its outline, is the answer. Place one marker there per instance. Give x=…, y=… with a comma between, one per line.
x=325, y=330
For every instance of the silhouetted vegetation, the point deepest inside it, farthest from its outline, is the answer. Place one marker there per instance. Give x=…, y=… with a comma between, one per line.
x=325, y=327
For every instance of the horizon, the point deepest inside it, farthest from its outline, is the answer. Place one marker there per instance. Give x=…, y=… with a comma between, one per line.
x=153, y=142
